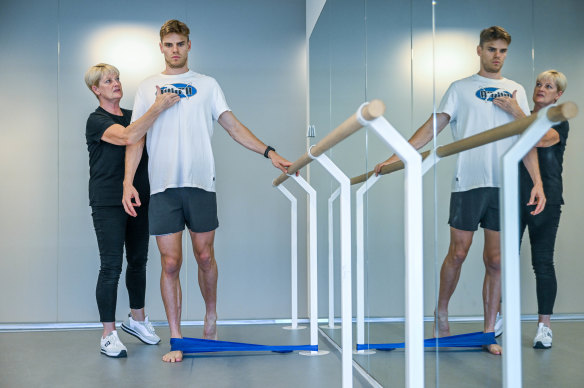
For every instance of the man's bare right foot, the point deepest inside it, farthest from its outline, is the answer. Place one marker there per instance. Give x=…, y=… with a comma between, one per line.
x=494, y=349
x=440, y=320
x=210, y=328
x=173, y=356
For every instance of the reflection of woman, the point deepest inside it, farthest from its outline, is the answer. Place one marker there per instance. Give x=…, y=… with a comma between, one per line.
x=550, y=85
x=107, y=133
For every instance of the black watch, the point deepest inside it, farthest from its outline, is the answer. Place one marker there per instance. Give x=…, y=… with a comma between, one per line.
x=267, y=151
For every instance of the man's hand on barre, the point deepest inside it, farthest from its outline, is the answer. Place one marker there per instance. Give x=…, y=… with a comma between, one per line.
x=394, y=158
x=279, y=162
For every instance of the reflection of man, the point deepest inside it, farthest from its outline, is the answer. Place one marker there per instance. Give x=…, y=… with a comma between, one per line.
x=182, y=173
x=468, y=107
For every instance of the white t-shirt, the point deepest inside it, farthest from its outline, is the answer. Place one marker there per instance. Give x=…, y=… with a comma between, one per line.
x=179, y=141
x=469, y=104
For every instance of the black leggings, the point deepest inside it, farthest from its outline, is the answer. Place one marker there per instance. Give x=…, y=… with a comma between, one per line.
x=542, y=230
x=114, y=229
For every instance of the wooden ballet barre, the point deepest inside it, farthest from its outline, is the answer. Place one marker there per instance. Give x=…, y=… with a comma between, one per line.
x=562, y=112
x=387, y=169
x=369, y=112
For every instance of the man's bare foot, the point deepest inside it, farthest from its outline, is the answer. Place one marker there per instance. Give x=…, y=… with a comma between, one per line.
x=173, y=356
x=210, y=328
x=443, y=327
x=494, y=349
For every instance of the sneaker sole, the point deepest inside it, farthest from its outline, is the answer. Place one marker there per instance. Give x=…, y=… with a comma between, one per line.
x=121, y=354
x=540, y=345
x=137, y=335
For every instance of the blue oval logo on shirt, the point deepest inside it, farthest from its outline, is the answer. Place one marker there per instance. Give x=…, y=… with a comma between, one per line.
x=489, y=94
x=183, y=90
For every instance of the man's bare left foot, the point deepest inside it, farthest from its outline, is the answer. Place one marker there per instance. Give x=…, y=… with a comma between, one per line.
x=210, y=328
x=441, y=320
x=173, y=356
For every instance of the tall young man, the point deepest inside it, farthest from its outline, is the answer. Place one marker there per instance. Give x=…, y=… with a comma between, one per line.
x=468, y=107
x=182, y=172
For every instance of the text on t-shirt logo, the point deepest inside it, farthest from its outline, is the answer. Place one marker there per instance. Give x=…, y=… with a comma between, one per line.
x=183, y=90
x=489, y=94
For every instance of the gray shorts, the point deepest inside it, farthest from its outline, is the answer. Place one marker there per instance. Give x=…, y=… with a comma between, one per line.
x=172, y=209
x=471, y=208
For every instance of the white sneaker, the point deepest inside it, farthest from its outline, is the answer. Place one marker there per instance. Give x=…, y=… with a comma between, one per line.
x=111, y=346
x=543, y=338
x=141, y=330
x=498, y=325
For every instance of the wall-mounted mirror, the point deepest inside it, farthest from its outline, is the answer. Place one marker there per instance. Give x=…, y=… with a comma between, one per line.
x=407, y=54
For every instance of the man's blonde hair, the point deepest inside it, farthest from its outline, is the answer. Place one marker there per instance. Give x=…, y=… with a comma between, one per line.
x=174, y=27
x=494, y=33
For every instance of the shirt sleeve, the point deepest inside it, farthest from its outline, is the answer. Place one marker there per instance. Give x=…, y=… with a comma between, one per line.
x=219, y=103
x=522, y=100
x=139, y=105
x=449, y=103
x=562, y=130
x=97, y=124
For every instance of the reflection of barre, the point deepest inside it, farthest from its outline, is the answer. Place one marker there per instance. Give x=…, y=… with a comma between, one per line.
x=331, y=261
x=538, y=125
x=557, y=113
x=509, y=211
x=370, y=111
x=365, y=113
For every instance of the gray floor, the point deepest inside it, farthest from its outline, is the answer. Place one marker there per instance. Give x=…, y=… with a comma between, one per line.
x=560, y=366
x=72, y=359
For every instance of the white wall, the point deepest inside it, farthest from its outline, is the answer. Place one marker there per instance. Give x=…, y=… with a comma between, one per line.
x=29, y=163
x=48, y=253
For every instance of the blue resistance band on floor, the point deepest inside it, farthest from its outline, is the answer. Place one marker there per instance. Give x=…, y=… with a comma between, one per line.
x=197, y=345
x=469, y=340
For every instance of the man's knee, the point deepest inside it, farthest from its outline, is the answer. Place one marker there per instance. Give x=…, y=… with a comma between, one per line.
x=460, y=242
x=205, y=259
x=457, y=254
x=493, y=263
x=171, y=263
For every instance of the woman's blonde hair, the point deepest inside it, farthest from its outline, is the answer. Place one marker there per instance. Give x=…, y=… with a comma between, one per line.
x=94, y=74
x=556, y=76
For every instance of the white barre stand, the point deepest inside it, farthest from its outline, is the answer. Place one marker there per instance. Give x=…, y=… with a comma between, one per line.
x=511, y=292
x=312, y=260
x=294, y=258
x=346, y=294
x=413, y=248
x=373, y=109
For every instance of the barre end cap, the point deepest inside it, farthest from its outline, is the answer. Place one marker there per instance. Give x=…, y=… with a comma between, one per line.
x=566, y=111
x=373, y=110
x=280, y=179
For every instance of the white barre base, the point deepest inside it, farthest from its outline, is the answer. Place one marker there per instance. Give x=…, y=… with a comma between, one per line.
x=313, y=353
x=364, y=352
x=333, y=327
x=294, y=328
